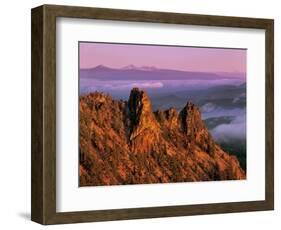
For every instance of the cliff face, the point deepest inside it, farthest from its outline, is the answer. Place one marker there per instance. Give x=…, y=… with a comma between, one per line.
x=127, y=143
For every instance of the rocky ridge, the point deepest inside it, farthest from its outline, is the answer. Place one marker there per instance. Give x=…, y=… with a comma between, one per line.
x=127, y=143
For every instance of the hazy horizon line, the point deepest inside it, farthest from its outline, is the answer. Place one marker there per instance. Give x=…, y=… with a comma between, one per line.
x=157, y=68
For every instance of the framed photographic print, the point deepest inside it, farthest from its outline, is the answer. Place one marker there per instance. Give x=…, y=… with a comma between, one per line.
x=141, y=114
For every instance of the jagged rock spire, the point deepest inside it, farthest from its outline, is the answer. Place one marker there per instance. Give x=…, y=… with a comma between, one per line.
x=141, y=114
x=191, y=120
x=144, y=130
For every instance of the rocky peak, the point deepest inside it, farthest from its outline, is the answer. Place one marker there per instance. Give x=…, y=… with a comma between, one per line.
x=171, y=113
x=168, y=118
x=94, y=100
x=138, y=104
x=194, y=127
x=142, y=117
x=191, y=121
x=144, y=127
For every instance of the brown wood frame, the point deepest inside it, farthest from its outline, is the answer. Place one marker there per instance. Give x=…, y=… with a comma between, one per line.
x=43, y=188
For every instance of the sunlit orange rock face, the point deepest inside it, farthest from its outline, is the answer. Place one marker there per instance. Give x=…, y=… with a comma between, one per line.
x=125, y=142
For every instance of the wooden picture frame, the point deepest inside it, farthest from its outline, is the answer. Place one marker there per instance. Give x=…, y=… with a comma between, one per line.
x=43, y=208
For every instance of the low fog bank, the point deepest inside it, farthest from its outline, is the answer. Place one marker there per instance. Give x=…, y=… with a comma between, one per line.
x=235, y=130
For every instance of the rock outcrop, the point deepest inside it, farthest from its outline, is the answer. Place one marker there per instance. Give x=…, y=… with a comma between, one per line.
x=127, y=143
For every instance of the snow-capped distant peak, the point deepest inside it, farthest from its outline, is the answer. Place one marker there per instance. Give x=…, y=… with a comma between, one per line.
x=128, y=67
x=144, y=68
x=148, y=68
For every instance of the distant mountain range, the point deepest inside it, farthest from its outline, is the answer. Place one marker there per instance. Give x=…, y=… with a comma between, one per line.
x=132, y=72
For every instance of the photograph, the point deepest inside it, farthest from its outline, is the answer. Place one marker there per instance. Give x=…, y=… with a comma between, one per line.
x=141, y=114
x=161, y=114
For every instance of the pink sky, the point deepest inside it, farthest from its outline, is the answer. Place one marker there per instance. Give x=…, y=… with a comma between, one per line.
x=167, y=57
